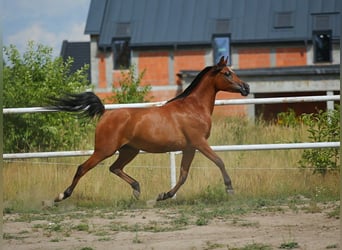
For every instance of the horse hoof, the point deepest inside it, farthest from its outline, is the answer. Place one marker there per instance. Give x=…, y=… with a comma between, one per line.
x=230, y=191
x=60, y=197
x=161, y=197
x=164, y=196
x=136, y=194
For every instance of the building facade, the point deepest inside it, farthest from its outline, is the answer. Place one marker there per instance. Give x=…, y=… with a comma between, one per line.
x=280, y=47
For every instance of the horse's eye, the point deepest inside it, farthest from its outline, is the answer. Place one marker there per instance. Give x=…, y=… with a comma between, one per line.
x=228, y=74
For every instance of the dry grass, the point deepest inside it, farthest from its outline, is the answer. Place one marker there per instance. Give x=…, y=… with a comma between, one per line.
x=254, y=173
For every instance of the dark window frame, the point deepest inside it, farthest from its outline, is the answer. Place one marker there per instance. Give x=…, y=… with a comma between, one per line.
x=217, y=55
x=322, y=55
x=283, y=20
x=121, y=53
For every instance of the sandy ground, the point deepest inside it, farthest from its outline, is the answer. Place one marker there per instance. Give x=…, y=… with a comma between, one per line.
x=155, y=229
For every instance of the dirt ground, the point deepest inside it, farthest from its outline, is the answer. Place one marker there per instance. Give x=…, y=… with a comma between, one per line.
x=155, y=228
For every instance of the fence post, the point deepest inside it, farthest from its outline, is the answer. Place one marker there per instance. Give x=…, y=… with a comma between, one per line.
x=330, y=104
x=173, y=169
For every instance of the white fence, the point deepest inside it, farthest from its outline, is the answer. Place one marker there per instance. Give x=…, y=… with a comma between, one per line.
x=305, y=145
x=323, y=98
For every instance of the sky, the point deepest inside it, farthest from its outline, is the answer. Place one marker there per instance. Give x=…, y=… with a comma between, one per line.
x=48, y=22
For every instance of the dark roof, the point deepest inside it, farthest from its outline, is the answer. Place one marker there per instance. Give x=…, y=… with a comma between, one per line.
x=79, y=51
x=95, y=17
x=182, y=22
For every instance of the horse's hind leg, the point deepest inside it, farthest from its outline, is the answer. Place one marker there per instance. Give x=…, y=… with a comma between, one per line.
x=126, y=154
x=82, y=170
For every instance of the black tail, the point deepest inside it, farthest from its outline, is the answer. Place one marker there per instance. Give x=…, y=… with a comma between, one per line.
x=87, y=103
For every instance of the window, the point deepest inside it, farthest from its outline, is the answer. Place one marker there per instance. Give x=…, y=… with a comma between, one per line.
x=222, y=26
x=322, y=22
x=322, y=46
x=122, y=54
x=221, y=47
x=283, y=20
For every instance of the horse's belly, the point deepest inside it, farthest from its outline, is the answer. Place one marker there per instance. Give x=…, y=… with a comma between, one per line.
x=159, y=145
x=156, y=132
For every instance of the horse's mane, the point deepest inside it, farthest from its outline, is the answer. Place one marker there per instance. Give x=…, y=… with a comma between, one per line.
x=193, y=84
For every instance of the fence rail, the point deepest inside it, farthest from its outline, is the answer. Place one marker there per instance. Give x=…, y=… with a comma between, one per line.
x=248, y=147
x=322, y=98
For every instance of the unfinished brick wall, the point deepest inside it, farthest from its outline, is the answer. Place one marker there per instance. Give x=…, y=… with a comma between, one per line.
x=254, y=58
x=189, y=60
x=156, y=65
x=117, y=75
x=286, y=57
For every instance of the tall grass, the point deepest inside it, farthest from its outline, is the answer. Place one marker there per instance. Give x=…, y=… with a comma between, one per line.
x=254, y=173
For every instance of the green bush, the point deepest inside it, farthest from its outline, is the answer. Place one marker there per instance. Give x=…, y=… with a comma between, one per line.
x=29, y=79
x=322, y=126
x=130, y=90
x=288, y=119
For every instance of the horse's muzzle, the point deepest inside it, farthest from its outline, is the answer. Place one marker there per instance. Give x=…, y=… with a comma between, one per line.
x=244, y=89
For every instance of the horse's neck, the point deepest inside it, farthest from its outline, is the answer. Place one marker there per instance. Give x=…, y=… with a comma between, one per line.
x=204, y=96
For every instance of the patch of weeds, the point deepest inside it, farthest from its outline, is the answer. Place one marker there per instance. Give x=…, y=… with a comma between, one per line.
x=202, y=221
x=54, y=227
x=289, y=245
x=211, y=245
x=119, y=227
x=130, y=203
x=312, y=208
x=37, y=226
x=154, y=226
x=245, y=223
x=262, y=203
x=101, y=233
x=293, y=207
x=82, y=227
x=55, y=240
x=8, y=210
x=254, y=246
x=275, y=209
x=136, y=239
x=104, y=239
x=182, y=221
x=213, y=195
x=7, y=236
x=23, y=232
x=87, y=248
x=333, y=246
x=334, y=213
x=250, y=224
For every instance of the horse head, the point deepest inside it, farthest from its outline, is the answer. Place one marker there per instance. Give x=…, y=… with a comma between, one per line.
x=227, y=80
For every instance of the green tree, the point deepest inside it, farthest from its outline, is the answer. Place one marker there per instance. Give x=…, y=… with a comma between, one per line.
x=29, y=80
x=130, y=90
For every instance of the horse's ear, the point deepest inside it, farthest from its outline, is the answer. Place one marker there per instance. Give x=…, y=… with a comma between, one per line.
x=222, y=62
x=226, y=61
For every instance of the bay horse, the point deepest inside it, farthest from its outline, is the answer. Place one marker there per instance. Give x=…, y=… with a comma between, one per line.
x=181, y=124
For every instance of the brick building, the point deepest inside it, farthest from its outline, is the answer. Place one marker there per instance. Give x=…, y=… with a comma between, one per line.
x=280, y=47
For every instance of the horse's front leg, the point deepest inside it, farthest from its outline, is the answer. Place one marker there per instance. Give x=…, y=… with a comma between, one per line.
x=188, y=156
x=209, y=153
